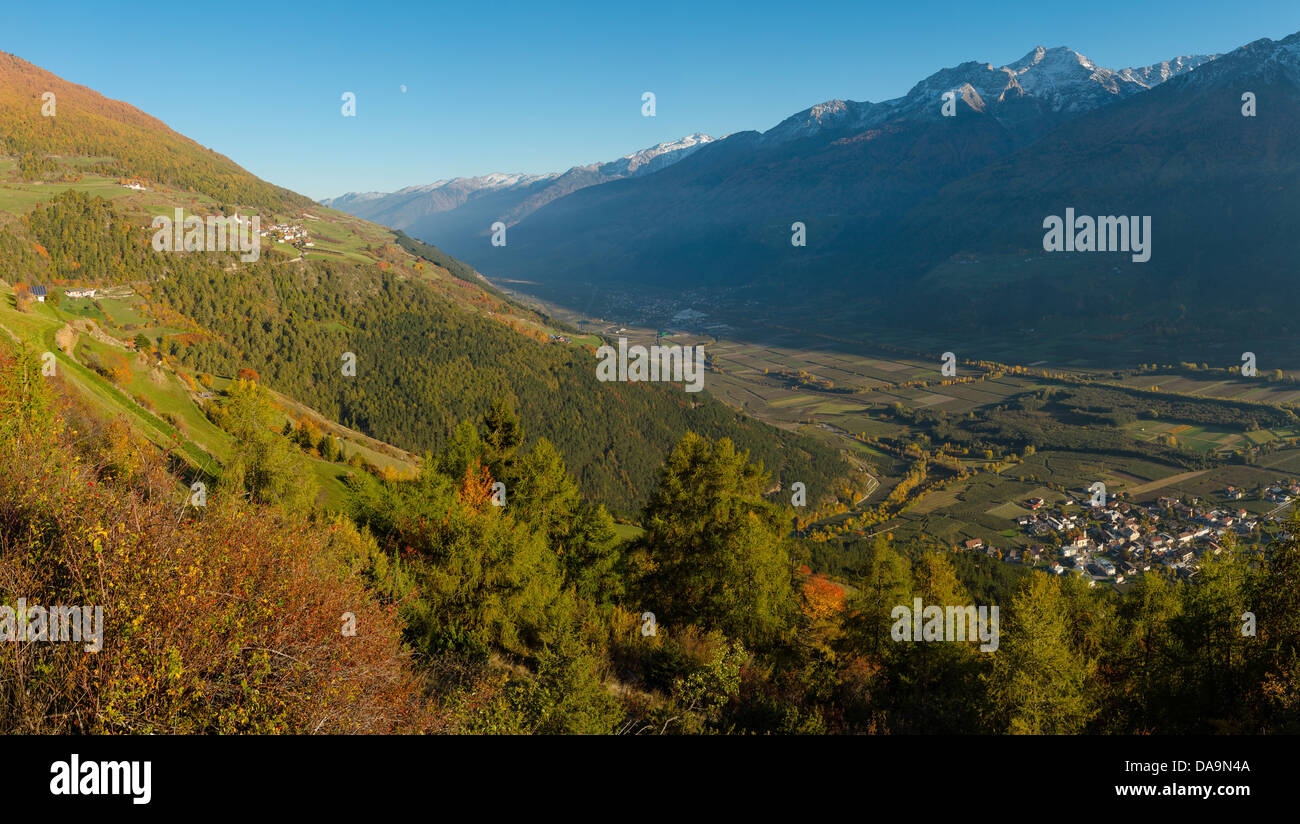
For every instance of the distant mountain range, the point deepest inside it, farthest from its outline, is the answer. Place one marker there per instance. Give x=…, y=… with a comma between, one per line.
x=917, y=220
x=464, y=208
x=1043, y=87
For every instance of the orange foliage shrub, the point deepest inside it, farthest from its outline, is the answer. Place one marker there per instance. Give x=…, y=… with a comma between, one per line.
x=219, y=619
x=822, y=598
x=476, y=487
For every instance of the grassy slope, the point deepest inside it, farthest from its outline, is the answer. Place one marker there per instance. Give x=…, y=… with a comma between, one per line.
x=203, y=444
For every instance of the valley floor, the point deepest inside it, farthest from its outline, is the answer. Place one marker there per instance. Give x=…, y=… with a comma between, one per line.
x=852, y=393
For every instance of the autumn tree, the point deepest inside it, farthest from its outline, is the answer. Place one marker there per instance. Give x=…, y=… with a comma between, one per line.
x=1214, y=649
x=884, y=584
x=929, y=684
x=502, y=435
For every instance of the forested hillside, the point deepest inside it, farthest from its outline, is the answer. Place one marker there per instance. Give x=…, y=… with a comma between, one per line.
x=423, y=361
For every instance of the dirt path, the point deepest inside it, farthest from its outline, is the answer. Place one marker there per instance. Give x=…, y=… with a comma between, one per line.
x=1163, y=482
x=66, y=338
x=89, y=327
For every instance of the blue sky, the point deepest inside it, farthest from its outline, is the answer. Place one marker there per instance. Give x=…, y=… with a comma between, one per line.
x=542, y=86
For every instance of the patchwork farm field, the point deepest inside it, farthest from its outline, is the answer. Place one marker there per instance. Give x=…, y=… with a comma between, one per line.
x=875, y=403
x=1256, y=389
x=1205, y=438
x=1287, y=461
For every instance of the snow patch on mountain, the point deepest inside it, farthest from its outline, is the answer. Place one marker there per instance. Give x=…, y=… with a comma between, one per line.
x=1263, y=61
x=643, y=162
x=1058, y=78
x=656, y=157
x=495, y=180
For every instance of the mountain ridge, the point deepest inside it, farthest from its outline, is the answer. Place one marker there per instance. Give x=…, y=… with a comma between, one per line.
x=868, y=178
x=88, y=124
x=519, y=194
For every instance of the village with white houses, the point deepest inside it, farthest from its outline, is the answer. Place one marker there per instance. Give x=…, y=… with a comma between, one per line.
x=1115, y=542
x=291, y=233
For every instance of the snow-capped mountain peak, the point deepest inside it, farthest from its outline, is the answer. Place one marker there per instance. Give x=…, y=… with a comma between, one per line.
x=494, y=180
x=1059, y=79
x=525, y=192
x=651, y=159
x=1262, y=61
x=687, y=144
